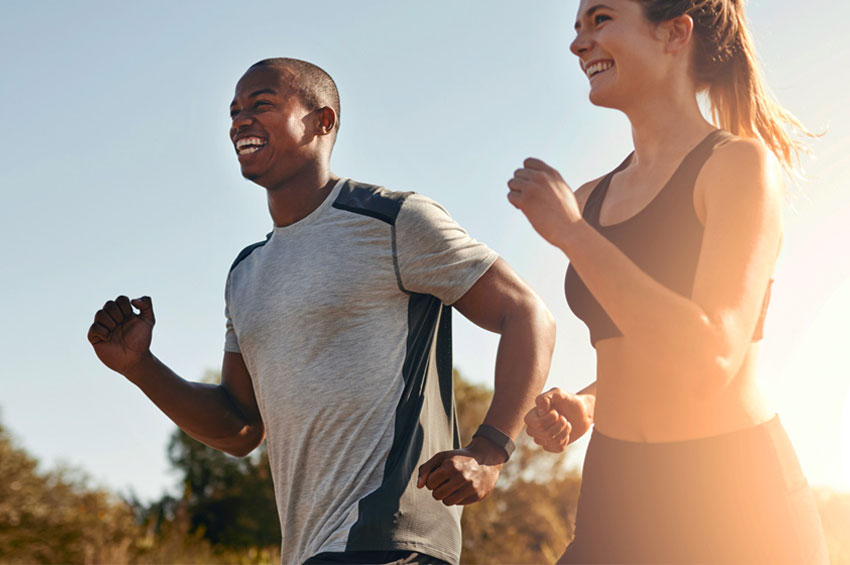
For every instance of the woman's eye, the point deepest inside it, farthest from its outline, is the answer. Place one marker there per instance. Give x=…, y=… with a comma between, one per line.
x=600, y=18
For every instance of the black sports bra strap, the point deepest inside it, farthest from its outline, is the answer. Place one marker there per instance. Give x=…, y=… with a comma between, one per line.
x=688, y=171
x=593, y=204
x=684, y=175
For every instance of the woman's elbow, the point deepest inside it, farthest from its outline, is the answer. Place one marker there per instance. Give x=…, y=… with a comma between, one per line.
x=716, y=375
x=704, y=354
x=719, y=361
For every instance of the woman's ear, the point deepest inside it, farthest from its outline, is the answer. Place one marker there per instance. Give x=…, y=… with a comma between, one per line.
x=677, y=33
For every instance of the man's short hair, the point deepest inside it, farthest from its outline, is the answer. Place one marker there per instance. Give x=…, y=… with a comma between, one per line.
x=314, y=86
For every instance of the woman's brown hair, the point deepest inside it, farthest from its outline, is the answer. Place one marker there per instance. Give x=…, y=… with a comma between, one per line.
x=725, y=63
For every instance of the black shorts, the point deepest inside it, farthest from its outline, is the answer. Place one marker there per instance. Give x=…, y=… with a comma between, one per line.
x=396, y=557
x=737, y=497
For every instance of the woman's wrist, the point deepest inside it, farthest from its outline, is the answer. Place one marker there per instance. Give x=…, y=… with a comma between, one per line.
x=589, y=402
x=572, y=235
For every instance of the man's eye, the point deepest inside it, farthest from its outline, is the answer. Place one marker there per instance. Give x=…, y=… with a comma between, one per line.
x=233, y=113
x=259, y=103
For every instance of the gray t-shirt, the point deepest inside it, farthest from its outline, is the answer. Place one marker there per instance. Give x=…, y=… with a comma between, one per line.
x=343, y=323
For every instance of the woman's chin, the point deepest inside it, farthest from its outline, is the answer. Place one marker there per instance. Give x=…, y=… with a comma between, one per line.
x=602, y=98
x=597, y=98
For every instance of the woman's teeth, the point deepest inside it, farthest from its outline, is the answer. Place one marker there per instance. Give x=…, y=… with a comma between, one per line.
x=596, y=68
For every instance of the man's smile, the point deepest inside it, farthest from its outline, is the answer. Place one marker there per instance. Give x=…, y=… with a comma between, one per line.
x=249, y=145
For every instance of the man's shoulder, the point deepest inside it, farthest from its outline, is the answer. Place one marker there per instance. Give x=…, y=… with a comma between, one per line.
x=370, y=200
x=248, y=250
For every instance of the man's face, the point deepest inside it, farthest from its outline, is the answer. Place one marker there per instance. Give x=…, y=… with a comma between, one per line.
x=270, y=127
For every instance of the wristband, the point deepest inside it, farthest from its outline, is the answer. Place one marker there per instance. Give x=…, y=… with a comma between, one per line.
x=496, y=436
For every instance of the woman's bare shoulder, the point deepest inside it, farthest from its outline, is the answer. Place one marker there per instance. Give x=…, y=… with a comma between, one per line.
x=742, y=177
x=741, y=168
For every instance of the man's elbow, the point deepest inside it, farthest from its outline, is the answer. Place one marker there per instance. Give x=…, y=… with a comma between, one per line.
x=533, y=319
x=244, y=442
x=240, y=451
x=541, y=317
x=526, y=307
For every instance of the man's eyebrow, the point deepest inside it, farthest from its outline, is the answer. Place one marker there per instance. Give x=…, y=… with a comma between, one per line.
x=589, y=12
x=257, y=93
x=262, y=91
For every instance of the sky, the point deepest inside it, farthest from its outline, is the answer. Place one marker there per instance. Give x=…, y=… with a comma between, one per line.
x=117, y=177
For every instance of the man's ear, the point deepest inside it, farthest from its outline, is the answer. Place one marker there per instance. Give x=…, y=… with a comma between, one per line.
x=327, y=120
x=677, y=33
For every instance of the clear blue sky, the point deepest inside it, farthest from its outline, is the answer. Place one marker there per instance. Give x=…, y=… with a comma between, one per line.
x=117, y=177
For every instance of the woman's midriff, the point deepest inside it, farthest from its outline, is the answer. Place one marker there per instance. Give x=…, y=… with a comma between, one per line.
x=636, y=402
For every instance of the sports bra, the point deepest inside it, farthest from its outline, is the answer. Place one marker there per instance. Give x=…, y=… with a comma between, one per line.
x=663, y=239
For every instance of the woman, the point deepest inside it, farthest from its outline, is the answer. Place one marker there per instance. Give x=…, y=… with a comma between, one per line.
x=671, y=256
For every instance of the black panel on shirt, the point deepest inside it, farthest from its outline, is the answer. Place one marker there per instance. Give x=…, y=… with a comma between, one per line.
x=397, y=510
x=248, y=250
x=370, y=200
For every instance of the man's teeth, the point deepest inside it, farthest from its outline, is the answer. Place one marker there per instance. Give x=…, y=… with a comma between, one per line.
x=248, y=145
x=598, y=68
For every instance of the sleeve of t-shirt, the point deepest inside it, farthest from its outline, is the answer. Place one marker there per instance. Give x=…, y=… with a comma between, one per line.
x=231, y=343
x=433, y=254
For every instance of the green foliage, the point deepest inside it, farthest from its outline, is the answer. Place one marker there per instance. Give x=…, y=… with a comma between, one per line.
x=229, y=500
x=57, y=517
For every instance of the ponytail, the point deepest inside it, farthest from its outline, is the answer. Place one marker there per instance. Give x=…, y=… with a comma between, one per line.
x=725, y=63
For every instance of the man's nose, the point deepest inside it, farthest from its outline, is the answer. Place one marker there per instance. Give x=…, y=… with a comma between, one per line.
x=240, y=120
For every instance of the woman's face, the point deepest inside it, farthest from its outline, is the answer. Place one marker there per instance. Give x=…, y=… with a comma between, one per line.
x=619, y=50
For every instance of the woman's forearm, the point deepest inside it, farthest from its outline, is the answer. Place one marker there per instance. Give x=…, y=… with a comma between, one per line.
x=668, y=327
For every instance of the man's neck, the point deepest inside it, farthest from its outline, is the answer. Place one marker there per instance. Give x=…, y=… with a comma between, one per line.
x=295, y=199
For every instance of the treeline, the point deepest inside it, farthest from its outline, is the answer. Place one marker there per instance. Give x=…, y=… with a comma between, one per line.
x=59, y=517
x=225, y=511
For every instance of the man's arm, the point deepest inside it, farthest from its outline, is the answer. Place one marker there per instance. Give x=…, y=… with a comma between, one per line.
x=223, y=416
x=500, y=302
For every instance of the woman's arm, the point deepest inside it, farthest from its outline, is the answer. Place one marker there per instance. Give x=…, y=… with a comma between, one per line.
x=740, y=193
x=559, y=418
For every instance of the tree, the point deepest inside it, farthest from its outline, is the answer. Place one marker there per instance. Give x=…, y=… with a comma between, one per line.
x=229, y=500
x=57, y=517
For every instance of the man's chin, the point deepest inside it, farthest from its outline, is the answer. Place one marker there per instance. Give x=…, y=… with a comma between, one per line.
x=251, y=175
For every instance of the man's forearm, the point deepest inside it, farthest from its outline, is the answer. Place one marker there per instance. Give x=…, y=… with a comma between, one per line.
x=207, y=412
x=522, y=365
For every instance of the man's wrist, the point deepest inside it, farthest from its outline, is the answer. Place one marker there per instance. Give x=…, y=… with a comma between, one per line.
x=494, y=438
x=138, y=370
x=486, y=452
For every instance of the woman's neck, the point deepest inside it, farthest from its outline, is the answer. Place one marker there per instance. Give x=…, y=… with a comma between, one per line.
x=663, y=125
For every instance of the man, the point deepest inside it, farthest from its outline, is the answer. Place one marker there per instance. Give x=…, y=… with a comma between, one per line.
x=338, y=343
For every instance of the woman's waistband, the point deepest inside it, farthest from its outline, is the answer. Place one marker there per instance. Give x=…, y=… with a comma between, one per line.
x=766, y=430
